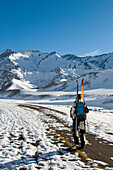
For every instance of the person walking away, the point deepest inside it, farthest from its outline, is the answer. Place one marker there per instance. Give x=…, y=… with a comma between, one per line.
x=78, y=116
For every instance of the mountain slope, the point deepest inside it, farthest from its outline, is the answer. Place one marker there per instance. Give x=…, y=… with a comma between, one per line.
x=49, y=71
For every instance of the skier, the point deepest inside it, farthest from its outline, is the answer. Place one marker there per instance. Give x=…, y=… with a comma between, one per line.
x=78, y=114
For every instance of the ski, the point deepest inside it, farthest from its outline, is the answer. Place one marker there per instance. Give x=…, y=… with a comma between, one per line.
x=82, y=91
x=82, y=85
x=76, y=104
x=77, y=90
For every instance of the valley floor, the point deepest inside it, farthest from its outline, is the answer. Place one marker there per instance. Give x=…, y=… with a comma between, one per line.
x=28, y=142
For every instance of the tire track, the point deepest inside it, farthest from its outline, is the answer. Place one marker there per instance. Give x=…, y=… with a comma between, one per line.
x=17, y=139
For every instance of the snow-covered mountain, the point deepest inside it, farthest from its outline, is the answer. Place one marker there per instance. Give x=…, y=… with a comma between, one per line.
x=50, y=71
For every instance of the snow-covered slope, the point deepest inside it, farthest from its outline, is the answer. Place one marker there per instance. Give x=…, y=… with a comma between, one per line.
x=35, y=69
x=41, y=88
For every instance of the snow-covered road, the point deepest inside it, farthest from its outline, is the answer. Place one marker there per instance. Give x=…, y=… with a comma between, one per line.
x=26, y=142
x=18, y=133
x=23, y=138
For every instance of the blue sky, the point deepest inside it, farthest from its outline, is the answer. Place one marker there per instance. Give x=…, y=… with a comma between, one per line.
x=80, y=27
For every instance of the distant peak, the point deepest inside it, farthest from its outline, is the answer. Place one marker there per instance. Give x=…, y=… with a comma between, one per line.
x=6, y=52
x=9, y=50
x=54, y=52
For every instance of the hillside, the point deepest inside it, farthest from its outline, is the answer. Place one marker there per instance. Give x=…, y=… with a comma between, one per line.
x=35, y=69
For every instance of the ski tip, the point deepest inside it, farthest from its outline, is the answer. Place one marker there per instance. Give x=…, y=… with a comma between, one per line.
x=82, y=81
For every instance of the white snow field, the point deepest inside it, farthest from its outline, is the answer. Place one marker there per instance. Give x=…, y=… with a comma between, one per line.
x=24, y=134
x=21, y=129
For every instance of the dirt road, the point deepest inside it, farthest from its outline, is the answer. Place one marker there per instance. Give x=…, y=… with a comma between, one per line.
x=96, y=149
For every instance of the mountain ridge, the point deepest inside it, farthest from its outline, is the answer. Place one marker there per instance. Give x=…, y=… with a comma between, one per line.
x=29, y=69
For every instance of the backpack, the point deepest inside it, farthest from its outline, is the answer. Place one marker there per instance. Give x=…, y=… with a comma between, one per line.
x=80, y=111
